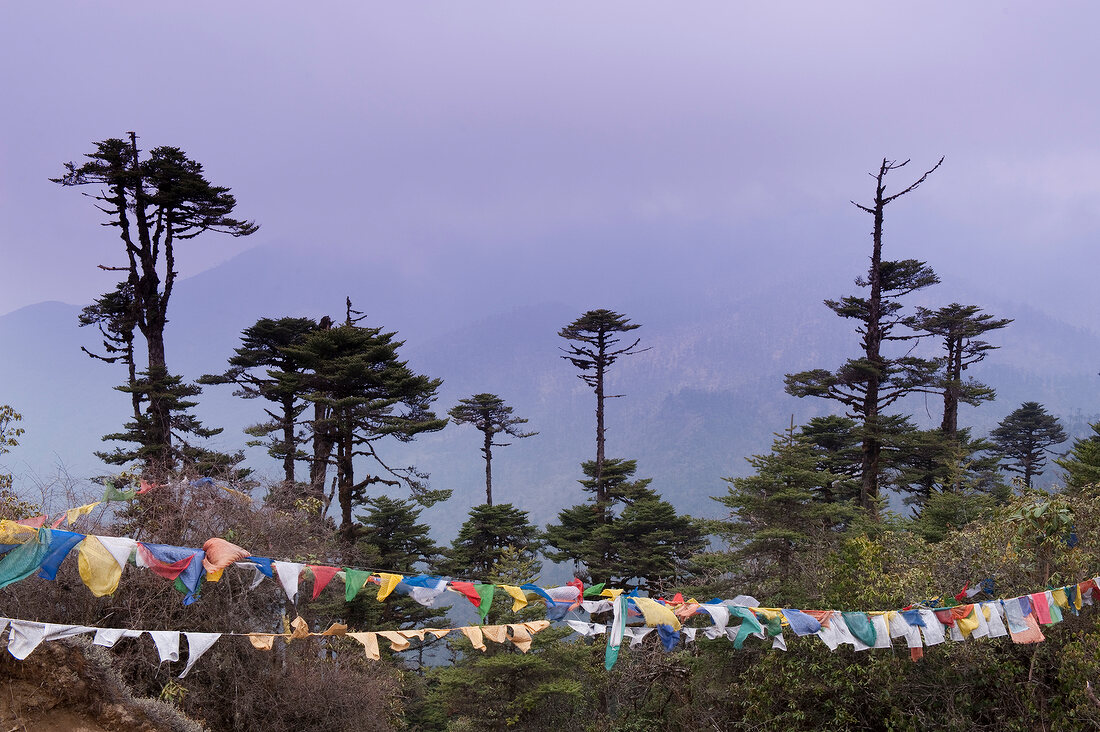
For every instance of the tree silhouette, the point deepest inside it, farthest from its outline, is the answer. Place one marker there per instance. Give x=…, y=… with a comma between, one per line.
x=489, y=414
x=594, y=349
x=1025, y=437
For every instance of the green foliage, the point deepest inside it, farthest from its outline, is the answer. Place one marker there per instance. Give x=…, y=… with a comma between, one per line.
x=489, y=535
x=174, y=395
x=1082, y=462
x=945, y=510
x=927, y=462
x=552, y=687
x=366, y=394
x=9, y=438
x=835, y=443
x=262, y=368
x=958, y=327
x=1025, y=437
x=489, y=414
x=777, y=516
x=631, y=535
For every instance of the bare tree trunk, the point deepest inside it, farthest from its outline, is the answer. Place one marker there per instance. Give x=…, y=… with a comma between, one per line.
x=872, y=344
x=601, y=492
x=288, y=440
x=322, y=451
x=488, y=450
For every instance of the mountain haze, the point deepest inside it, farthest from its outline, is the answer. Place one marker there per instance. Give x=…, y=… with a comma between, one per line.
x=707, y=393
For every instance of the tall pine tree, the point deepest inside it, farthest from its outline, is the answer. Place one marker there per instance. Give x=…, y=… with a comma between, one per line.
x=868, y=385
x=368, y=395
x=154, y=203
x=492, y=417
x=1025, y=437
x=262, y=368
x=594, y=348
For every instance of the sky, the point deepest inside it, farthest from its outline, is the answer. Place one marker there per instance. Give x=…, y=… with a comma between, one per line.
x=412, y=133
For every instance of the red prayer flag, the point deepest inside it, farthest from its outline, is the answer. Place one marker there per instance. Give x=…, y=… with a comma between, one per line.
x=35, y=523
x=945, y=617
x=321, y=577
x=962, y=595
x=467, y=589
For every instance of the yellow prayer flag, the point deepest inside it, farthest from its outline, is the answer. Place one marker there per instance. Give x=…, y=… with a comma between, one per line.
x=398, y=642
x=495, y=633
x=215, y=575
x=13, y=533
x=518, y=595
x=301, y=628
x=611, y=592
x=1059, y=596
x=261, y=641
x=74, y=513
x=98, y=567
x=968, y=624
x=655, y=613
x=521, y=637
x=389, y=581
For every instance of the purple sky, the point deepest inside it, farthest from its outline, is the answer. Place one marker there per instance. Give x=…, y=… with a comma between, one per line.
x=396, y=129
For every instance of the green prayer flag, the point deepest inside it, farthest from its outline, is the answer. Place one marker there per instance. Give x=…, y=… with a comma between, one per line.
x=485, y=592
x=861, y=626
x=594, y=590
x=114, y=494
x=1055, y=613
x=25, y=559
x=354, y=580
x=773, y=626
x=747, y=628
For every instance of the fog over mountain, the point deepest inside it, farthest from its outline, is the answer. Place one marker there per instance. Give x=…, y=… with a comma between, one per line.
x=721, y=334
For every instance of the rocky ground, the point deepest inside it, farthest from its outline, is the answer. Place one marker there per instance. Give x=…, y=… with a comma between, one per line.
x=70, y=686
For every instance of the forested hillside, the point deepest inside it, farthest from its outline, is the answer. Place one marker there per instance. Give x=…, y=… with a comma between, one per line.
x=898, y=550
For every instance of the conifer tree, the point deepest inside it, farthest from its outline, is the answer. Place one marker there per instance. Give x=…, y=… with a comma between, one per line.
x=1082, y=462
x=1025, y=437
x=632, y=534
x=154, y=203
x=932, y=461
x=868, y=385
x=486, y=536
x=489, y=414
x=594, y=349
x=262, y=368
x=368, y=395
x=836, y=445
x=959, y=328
x=774, y=515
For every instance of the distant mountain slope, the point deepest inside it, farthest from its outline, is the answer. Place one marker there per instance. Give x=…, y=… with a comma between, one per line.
x=708, y=393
